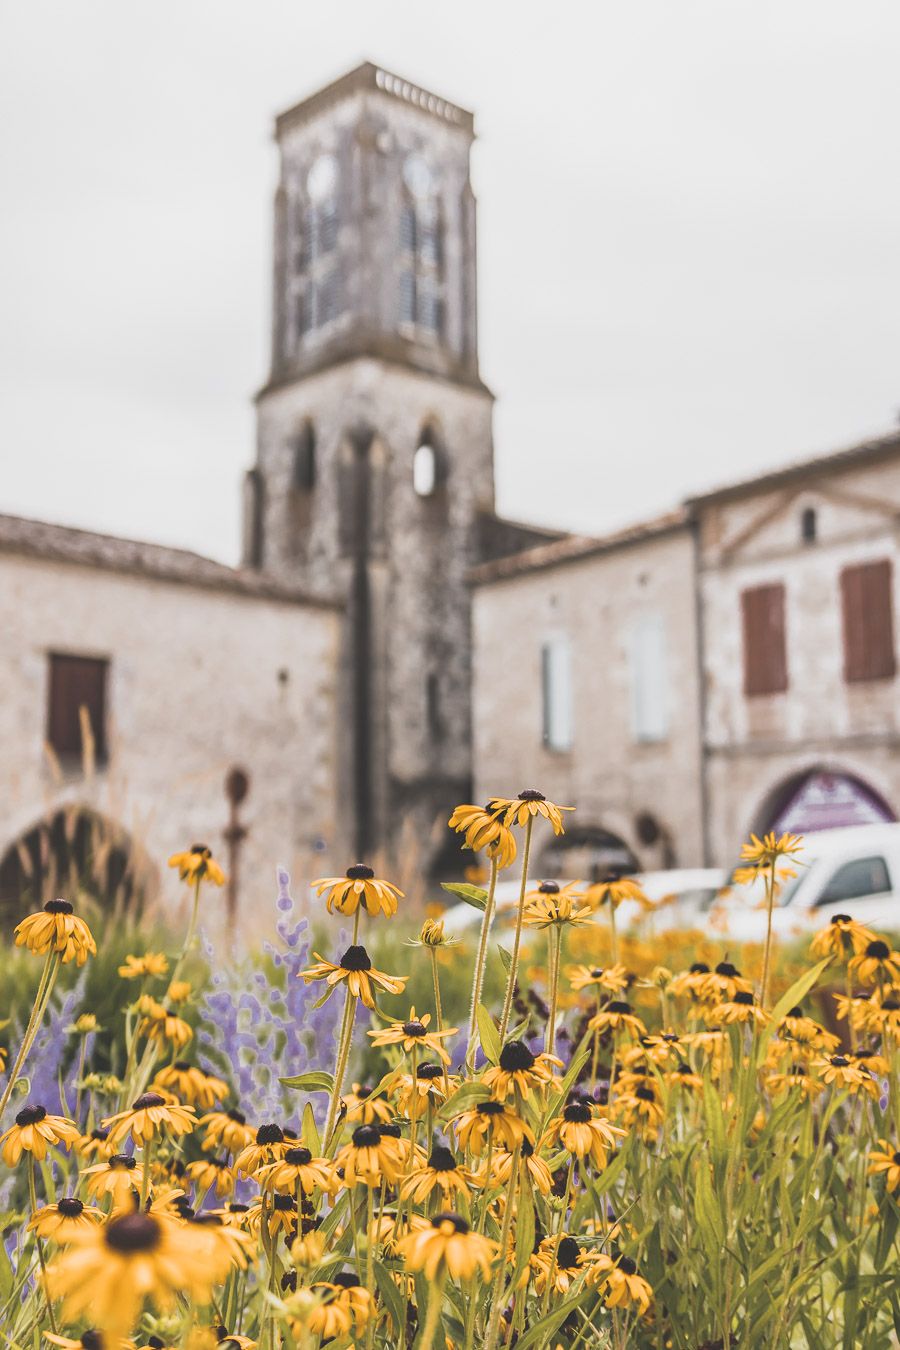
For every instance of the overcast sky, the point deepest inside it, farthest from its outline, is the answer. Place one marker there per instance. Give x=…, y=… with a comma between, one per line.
x=689, y=232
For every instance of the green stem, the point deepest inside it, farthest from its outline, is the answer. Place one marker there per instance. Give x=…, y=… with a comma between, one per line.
x=189, y=936
x=32, y=1194
x=613, y=935
x=767, y=953
x=438, y=1014
x=514, y=963
x=480, y=960
x=554, y=954
x=433, y=1316
x=340, y=1067
x=493, y=1330
x=38, y=1008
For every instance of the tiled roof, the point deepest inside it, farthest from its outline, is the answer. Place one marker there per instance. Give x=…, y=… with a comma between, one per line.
x=573, y=548
x=61, y=543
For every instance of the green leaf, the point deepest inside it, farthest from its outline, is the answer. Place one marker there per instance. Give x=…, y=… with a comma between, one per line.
x=315, y=1081
x=463, y=1099
x=310, y=1131
x=390, y=1295
x=488, y=1034
x=475, y=896
x=796, y=994
x=524, y=1231
x=506, y=958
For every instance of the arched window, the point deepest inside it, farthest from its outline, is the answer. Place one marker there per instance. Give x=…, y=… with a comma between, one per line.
x=808, y=525
x=318, y=297
x=303, y=469
x=428, y=466
x=422, y=251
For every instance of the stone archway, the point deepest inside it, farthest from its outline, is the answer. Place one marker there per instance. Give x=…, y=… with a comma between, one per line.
x=74, y=851
x=822, y=798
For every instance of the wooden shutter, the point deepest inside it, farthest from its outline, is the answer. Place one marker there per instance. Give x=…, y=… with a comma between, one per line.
x=868, y=622
x=765, y=651
x=76, y=682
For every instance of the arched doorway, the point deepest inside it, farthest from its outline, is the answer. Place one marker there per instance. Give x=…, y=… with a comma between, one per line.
x=73, y=852
x=586, y=851
x=822, y=799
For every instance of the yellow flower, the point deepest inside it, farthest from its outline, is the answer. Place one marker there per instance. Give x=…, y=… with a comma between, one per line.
x=298, y=1168
x=501, y=1169
x=840, y=1070
x=428, y=1084
x=95, y=1145
x=280, y=1212
x=84, y=1025
x=583, y=1134
x=151, y=963
x=355, y=967
x=491, y=1120
x=414, y=1035
x=33, y=1132
x=111, y=1269
x=561, y=1255
x=308, y=1249
x=211, y=1173
x=179, y=991
x=362, y=1107
x=765, y=852
x=612, y=890
x=190, y=1084
x=614, y=979
x=620, y=1283
x=519, y=1071
x=843, y=937
x=516, y=810
x=483, y=830
x=228, y=1129
x=617, y=1016
x=149, y=1116
x=432, y=934
x=65, y=1217
x=198, y=864
x=886, y=1162
x=56, y=928
x=449, y=1245
x=330, y=1310
x=876, y=963
x=270, y=1145
x=120, y=1176
x=742, y=1008
x=359, y=886
x=90, y=1340
x=370, y=1158
x=442, y=1172
x=166, y=1025
x=550, y=906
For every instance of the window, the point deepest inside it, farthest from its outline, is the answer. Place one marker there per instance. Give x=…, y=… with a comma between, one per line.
x=303, y=475
x=808, y=525
x=77, y=690
x=649, y=679
x=852, y=881
x=421, y=280
x=318, y=294
x=868, y=622
x=425, y=471
x=556, y=686
x=765, y=652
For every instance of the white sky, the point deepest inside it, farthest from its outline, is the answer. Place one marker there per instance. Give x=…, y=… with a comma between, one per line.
x=689, y=217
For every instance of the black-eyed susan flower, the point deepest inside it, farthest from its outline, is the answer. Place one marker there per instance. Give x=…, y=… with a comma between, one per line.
x=95, y=1144
x=280, y=1213
x=491, y=1120
x=225, y=1129
x=764, y=853
x=56, y=928
x=191, y=1084
x=308, y=1249
x=840, y=1071
x=179, y=991
x=356, y=970
x=617, y=1016
x=432, y=935
x=641, y=1107
x=149, y=1116
x=484, y=830
x=332, y=1309
x=111, y=1269
x=449, y=1246
x=269, y=1145
x=442, y=1172
x=885, y=1161
x=876, y=964
x=583, y=1134
x=689, y=983
x=742, y=1008
x=120, y=1176
x=198, y=864
x=154, y=964
x=413, y=1034
x=34, y=1131
x=883, y=1014
x=167, y=1025
x=683, y=1076
x=530, y=1163
x=519, y=1071
x=722, y=983
x=553, y=906
x=805, y=1031
x=613, y=979
x=371, y=1156
x=359, y=886
x=364, y=1108
x=528, y=804
x=428, y=1085
x=558, y=1262
x=211, y=1174
x=298, y=1168
x=843, y=937
x=93, y=1340
x=612, y=890
x=796, y=1078
x=59, y=1220
x=619, y=1281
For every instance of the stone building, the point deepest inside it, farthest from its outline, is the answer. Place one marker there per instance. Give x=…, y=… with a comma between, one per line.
x=729, y=669
x=186, y=671
x=374, y=478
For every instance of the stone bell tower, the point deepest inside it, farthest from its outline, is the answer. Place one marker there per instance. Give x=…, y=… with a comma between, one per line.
x=374, y=472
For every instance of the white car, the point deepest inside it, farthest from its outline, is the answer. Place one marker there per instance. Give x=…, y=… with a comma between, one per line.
x=853, y=871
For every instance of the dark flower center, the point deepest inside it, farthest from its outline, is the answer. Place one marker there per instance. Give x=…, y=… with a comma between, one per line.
x=355, y=958
x=100, y=1134
x=840, y=1061
x=133, y=1233
x=429, y=1071
x=57, y=907
x=490, y=1108
x=618, y=1005
x=237, y=1116
x=359, y=872
x=878, y=949
x=181, y=1065
x=69, y=1207
x=92, y=1340
x=745, y=997
x=154, y=1343
x=414, y=1029
x=390, y=1131
x=516, y=1057
x=699, y=968
x=347, y=1279
x=726, y=968
x=367, y=1136
x=203, y=849
x=441, y=1159
x=841, y=918
x=684, y=1068
x=285, y=1202
x=457, y=1221
x=184, y=1209
x=796, y=1012
x=527, y=1150
x=890, y=1004
x=531, y=795
x=148, y=1099
x=298, y=1157
x=235, y=1207
x=896, y=1159
x=270, y=1134
x=206, y=1220
x=596, y=972
x=568, y=1253
x=577, y=1113
x=120, y=1162
x=646, y=1094
x=30, y=1115
x=549, y=888
x=625, y=1263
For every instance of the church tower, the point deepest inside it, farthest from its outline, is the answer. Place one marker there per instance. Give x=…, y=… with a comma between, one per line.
x=374, y=471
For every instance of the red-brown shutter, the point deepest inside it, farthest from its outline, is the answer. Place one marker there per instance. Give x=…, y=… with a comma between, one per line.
x=76, y=682
x=765, y=650
x=868, y=622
